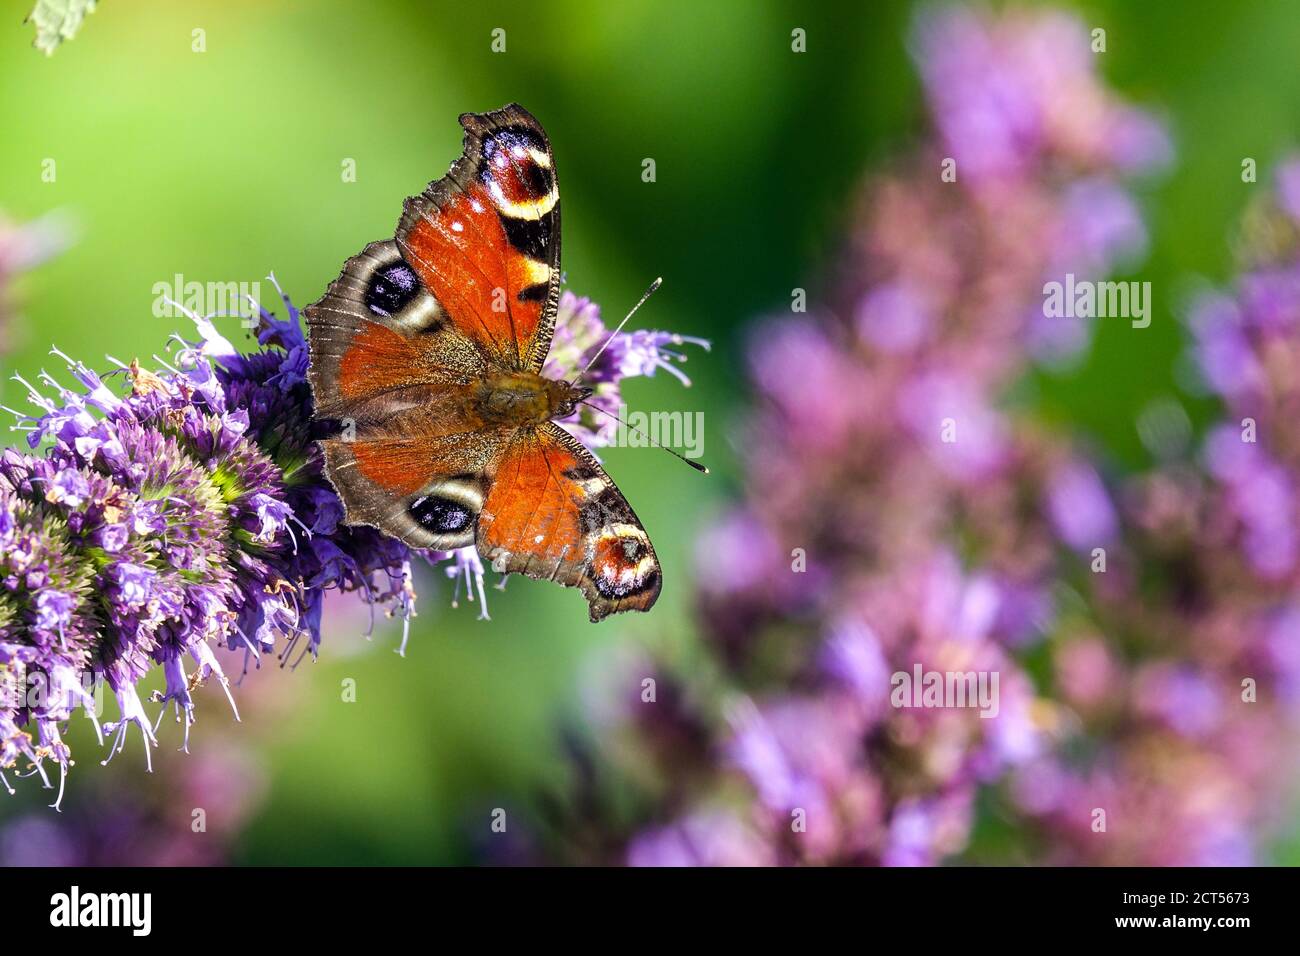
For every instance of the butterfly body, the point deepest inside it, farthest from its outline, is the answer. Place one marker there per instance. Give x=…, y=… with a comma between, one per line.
x=427, y=352
x=524, y=399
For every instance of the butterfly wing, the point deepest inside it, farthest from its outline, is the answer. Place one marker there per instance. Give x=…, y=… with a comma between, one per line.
x=469, y=285
x=551, y=512
x=485, y=239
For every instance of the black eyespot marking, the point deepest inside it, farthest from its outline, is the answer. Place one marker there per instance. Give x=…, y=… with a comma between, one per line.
x=529, y=236
x=391, y=289
x=538, y=180
x=535, y=293
x=580, y=473
x=514, y=135
x=440, y=515
x=508, y=161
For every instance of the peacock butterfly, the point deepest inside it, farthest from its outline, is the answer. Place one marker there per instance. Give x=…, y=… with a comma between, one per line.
x=426, y=353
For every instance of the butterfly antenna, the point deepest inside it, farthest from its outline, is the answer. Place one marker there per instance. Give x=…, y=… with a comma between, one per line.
x=648, y=292
x=694, y=464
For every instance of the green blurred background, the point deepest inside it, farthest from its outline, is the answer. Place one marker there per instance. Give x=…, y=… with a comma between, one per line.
x=224, y=164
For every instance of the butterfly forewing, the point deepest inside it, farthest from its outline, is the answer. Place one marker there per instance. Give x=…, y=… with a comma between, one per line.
x=485, y=239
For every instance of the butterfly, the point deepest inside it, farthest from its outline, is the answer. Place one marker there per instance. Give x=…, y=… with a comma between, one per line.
x=436, y=425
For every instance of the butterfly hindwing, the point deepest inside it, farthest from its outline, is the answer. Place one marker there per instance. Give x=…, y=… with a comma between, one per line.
x=420, y=475
x=551, y=512
x=485, y=239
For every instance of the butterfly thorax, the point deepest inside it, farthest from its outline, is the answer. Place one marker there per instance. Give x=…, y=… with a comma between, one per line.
x=524, y=398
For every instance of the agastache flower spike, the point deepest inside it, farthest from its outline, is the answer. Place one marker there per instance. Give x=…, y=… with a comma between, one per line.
x=192, y=510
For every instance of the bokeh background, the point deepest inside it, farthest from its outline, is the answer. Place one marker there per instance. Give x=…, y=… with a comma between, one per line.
x=225, y=164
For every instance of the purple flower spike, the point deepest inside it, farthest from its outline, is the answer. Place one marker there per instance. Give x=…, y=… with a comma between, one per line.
x=189, y=511
x=192, y=511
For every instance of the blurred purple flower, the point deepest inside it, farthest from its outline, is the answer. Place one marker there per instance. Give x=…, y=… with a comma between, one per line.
x=1080, y=507
x=1012, y=92
x=1288, y=188
x=22, y=248
x=707, y=839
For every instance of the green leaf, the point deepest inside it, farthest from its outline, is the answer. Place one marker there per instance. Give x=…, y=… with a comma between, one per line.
x=58, y=20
